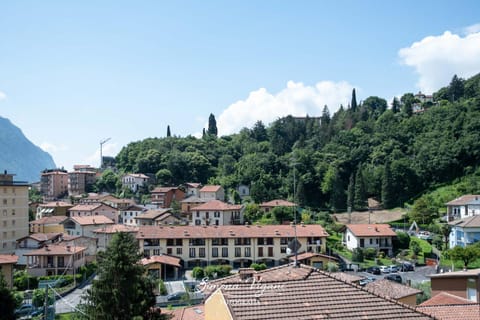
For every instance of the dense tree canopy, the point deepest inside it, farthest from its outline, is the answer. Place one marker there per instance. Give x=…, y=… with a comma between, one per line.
x=391, y=154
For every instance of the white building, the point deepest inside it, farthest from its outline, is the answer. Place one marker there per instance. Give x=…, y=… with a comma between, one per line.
x=378, y=236
x=463, y=207
x=134, y=181
x=212, y=193
x=465, y=231
x=129, y=215
x=216, y=212
x=84, y=226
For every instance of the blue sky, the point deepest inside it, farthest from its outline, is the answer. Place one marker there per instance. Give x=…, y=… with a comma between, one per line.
x=72, y=74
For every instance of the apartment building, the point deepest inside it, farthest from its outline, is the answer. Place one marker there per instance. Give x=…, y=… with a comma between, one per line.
x=53, y=184
x=237, y=245
x=13, y=212
x=163, y=197
x=81, y=180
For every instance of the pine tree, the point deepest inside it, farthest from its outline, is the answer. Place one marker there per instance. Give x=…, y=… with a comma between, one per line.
x=360, y=201
x=456, y=88
x=387, y=194
x=354, y=101
x=204, y=133
x=168, y=131
x=7, y=301
x=395, y=105
x=350, y=192
x=212, y=125
x=122, y=291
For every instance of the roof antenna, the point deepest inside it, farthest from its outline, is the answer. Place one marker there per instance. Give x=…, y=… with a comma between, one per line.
x=101, y=147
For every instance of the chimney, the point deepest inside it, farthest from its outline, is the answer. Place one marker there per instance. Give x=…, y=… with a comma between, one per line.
x=68, y=248
x=246, y=273
x=47, y=248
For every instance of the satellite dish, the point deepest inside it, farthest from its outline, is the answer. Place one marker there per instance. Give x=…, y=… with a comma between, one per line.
x=289, y=252
x=294, y=245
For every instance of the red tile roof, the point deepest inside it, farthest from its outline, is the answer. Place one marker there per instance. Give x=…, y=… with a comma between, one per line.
x=155, y=214
x=163, y=189
x=452, y=312
x=92, y=220
x=278, y=203
x=465, y=199
x=8, y=259
x=445, y=298
x=308, y=255
x=217, y=205
x=391, y=289
x=287, y=292
x=85, y=207
x=49, y=220
x=114, y=228
x=165, y=259
x=42, y=236
x=55, y=250
x=55, y=204
x=230, y=231
x=371, y=230
x=187, y=313
x=210, y=188
x=137, y=175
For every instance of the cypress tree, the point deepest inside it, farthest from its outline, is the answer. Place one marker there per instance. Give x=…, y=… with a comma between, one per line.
x=360, y=201
x=354, y=101
x=395, y=105
x=168, y=131
x=387, y=192
x=212, y=125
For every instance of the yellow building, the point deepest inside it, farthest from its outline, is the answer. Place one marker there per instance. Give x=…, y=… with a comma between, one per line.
x=13, y=212
x=237, y=245
x=53, y=224
x=7, y=262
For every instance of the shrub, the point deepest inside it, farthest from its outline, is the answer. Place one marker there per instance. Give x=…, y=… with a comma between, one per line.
x=357, y=255
x=258, y=267
x=332, y=267
x=198, y=273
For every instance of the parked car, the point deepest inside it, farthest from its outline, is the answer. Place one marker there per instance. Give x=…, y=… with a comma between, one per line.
x=176, y=296
x=27, y=310
x=407, y=266
x=366, y=280
x=374, y=270
x=393, y=268
x=394, y=277
x=384, y=269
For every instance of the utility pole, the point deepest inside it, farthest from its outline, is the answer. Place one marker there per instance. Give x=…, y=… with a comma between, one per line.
x=101, y=149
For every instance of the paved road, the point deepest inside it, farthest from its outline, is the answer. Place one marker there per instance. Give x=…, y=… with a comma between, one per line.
x=70, y=301
x=413, y=277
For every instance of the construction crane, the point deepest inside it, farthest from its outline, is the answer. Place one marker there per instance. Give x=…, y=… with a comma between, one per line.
x=101, y=148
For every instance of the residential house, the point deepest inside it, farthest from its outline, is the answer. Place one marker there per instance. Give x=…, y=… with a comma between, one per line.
x=188, y=203
x=237, y=245
x=106, y=233
x=163, y=197
x=464, y=284
x=98, y=209
x=34, y=241
x=391, y=289
x=212, y=192
x=243, y=190
x=316, y=260
x=162, y=266
x=463, y=207
x=192, y=189
x=217, y=213
x=128, y=215
x=13, y=212
x=117, y=203
x=157, y=217
x=54, y=208
x=7, y=264
x=84, y=225
x=378, y=236
x=89, y=243
x=445, y=306
x=289, y=292
x=81, y=180
x=52, y=260
x=465, y=231
x=51, y=224
x=134, y=181
x=94, y=198
x=270, y=205
x=196, y=312
x=54, y=184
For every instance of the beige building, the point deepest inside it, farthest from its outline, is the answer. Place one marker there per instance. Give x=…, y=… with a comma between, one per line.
x=48, y=224
x=80, y=181
x=237, y=245
x=53, y=260
x=95, y=209
x=84, y=226
x=54, y=184
x=216, y=212
x=212, y=192
x=157, y=217
x=54, y=208
x=13, y=212
x=7, y=263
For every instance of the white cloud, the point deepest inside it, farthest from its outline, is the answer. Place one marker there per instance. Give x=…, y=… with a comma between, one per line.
x=472, y=29
x=2, y=95
x=437, y=58
x=296, y=99
x=52, y=148
x=108, y=149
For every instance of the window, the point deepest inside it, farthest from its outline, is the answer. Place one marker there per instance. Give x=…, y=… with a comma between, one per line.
x=197, y=242
x=261, y=241
x=217, y=222
x=5, y=201
x=61, y=262
x=224, y=252
x=270, y=251
x=215, y=252
x=146, y=253
x=238, y=252
x=179, y=242
x=247, y=252
x=13, y=201
x=4, y=223
x=283, y=249
x=260, y=251
x=179, y=251
x=198, y=222
x=13, y=222
x=216, y=214
x=371, y=241
x=156, y=252
x=198, y=214
x=192, y=253
x=201, y=252
x=170, y=242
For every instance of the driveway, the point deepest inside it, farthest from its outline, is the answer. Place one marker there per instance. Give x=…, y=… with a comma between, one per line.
x=70, y=301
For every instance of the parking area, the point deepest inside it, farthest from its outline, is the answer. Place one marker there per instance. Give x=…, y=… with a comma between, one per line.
x=411, y=277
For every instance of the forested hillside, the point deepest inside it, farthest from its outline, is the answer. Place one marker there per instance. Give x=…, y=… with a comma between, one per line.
x=366, y=149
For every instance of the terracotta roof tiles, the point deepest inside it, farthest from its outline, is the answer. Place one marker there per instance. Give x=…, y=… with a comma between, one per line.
x=444, y=298
x=371, y=230
x=114, y=228
x=452, y=312
x=391, y=289
x=8, y=259
x=165, y=259
x=465, y=199
x=49, y=220
x=55, y=250
x=92, y=220
x=217, y=205
x=210, y=188
x=277, y=203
